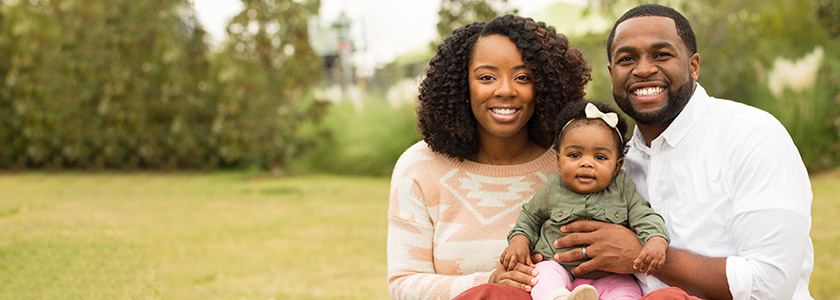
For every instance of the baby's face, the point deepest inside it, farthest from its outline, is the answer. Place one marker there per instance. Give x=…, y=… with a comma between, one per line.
x=588, y=158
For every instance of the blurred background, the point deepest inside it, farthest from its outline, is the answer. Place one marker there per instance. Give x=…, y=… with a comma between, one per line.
x=185, y=148
x=302, y=86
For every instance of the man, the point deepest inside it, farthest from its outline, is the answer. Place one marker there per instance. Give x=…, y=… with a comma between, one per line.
x=726, y=177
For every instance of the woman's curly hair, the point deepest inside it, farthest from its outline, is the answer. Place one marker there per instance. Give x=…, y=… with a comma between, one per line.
x=559, y=74
x=576, y=111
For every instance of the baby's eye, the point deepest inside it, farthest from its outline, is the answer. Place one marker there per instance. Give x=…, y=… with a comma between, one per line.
x=601, y=157
x=574, y=155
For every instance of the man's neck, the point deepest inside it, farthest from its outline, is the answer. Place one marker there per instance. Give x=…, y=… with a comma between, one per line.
x=651, y=132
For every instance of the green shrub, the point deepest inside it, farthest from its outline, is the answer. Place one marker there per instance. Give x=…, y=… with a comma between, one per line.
x=361, y=142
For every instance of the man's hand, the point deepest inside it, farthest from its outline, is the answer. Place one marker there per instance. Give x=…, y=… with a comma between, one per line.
x=652, y=257
x=518, y=251
x=610, y=247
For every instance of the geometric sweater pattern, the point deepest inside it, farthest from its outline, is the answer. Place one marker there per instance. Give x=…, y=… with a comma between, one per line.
x=448, y=220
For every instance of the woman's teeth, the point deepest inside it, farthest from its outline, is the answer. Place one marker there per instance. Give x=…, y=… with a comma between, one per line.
x=504, y=111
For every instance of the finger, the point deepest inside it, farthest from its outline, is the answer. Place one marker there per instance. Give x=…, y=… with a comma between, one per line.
x=511, y=264
x=528, y=261
x=536, y=258
x=515, y=284
x=648, y=261
x=529, y=272
x=584, y=267
x=575, y=239
x=522, y=275
x=582, y=226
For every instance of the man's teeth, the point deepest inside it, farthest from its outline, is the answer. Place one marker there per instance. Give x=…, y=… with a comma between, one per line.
x=504, y=111
x=649, y=91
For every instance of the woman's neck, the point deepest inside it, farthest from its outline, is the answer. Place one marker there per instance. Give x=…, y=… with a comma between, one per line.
x=509, y=151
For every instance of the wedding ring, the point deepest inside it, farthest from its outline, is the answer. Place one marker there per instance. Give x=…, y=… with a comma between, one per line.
x=583, y=251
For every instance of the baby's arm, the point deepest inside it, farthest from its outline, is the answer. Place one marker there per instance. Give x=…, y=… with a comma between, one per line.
x=652, y=257
x=517, y=251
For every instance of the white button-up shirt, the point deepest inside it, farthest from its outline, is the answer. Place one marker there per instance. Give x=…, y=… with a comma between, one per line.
x=730, y=183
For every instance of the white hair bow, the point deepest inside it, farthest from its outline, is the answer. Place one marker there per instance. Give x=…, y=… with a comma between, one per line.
x=592, y=112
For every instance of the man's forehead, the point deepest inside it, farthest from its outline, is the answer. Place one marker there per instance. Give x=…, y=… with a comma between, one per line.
x=662, y=28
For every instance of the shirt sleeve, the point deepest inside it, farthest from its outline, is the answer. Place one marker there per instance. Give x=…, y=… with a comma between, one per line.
x=770, y=255
x=411, y=270
x=770, y=214
x=640, y=216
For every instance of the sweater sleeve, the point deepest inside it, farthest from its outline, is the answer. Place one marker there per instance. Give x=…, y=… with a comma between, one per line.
x=534, y=214
x=640, y=216
x=411, y=234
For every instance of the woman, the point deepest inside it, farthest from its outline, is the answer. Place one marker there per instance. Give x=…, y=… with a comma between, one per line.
x=487, y=107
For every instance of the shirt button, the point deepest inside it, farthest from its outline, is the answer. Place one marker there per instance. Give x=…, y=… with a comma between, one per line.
x=616, y=215
x=560, y=214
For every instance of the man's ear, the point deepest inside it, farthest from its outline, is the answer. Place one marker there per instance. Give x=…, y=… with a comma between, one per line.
x=618, y=163
x=609, y=68
x=694, y=64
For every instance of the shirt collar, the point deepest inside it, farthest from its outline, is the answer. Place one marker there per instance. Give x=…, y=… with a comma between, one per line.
x=679, y=128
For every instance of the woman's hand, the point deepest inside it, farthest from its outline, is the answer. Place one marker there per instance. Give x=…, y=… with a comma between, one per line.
x=522, y=276
x=609, y=247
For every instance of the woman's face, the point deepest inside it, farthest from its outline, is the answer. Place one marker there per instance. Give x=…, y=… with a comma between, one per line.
x=501, y=90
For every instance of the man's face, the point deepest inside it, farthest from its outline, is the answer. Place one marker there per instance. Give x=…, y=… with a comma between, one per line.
x=652, y=71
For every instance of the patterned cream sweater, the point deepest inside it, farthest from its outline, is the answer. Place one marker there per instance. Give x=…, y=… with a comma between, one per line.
x=448, y=220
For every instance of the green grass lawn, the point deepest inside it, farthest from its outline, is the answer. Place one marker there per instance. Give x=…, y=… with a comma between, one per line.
x=231, y=236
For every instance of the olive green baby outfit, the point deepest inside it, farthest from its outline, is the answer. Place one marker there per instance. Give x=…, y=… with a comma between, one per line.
x=554, y=205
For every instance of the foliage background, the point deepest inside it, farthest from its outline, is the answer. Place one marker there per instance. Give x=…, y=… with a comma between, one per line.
x=134, y=85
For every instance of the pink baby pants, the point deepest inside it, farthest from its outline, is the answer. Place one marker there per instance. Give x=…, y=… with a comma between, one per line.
x=553, y=276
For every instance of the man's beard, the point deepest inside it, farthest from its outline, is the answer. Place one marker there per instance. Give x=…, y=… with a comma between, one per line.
x=676, y=102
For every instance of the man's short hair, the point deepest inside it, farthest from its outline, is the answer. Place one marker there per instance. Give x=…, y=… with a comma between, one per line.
x=683, y=27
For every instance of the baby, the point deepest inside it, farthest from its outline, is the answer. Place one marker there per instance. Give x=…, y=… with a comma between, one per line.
x=590, y=185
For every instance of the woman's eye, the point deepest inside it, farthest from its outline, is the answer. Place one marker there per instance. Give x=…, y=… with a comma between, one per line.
x=523, y=78
x=485, y=77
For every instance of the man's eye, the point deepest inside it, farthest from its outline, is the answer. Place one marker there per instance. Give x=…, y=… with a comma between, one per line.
x=662, y=55
x=625, y=59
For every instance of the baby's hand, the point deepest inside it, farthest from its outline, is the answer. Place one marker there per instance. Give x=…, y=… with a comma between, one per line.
x=518, y=251
x=652, y=257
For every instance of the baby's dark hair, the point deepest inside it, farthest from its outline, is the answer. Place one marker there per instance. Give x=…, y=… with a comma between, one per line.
x=559, y=74
x=576, y=111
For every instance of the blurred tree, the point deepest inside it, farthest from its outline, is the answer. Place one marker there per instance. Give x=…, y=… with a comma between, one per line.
x=266, y=69
x=828, y=14
x=102, y=84
x=457, y=13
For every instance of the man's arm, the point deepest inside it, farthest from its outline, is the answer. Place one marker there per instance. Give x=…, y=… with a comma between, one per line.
x=701, y=276
x=614, y=247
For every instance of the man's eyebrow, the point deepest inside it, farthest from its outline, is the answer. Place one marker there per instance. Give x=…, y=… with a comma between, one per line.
x=661, y=45
x=623, y=49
